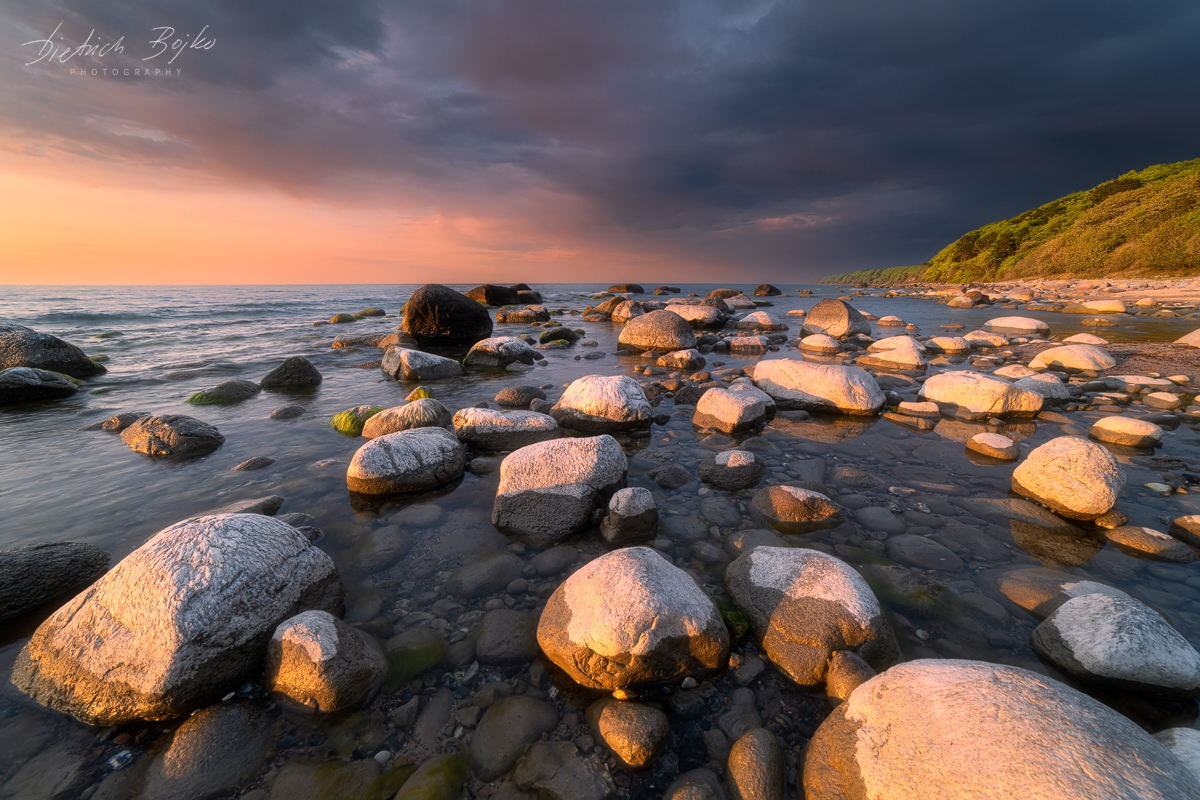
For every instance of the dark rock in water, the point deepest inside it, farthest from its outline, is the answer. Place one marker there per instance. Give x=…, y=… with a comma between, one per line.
x=25, y=347
x=57, y=773
x=504, y=731
x=520, y=287
x=492, y=295
x=518, y=396
x=251, y=464
x=323, y=779
x=690, y=394
x=558, y=333
x=371, y=311
x=626, y=288
x=721, y=294
x=666, y=290
x=632, y=514
x=791, y=509
x=210, y=755
x=287, y=412
x=172, y=436
x=698, y=784
x=835, y=318
x=40, y=572
x=294, y=372
x=670, y=476
x=119, y=422
x=231, y=391
x=26, y=384
x=507, y=637
x=483, y=574
x=267, y=506
x=766, y=290
x=529, y=297
x=437, y=315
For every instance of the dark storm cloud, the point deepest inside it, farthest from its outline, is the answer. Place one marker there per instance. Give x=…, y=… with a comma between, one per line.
x=787, y=136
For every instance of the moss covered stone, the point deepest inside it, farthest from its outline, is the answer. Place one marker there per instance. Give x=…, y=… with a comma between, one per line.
x=351, y=421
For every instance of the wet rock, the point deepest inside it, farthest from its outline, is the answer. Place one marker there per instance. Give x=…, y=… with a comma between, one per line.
x=518, y=396
x=699, y=316
x=1048, y=386
x=411, y=653
x=403, y=364
x=1023, y=326
x=894, y=353
x=424, y=413
x=698, y=784
x=27, y=384
x=918, y=551
x=756, y=767
x=352, y=421
x=172, y=436
x=487, y=573
x=252, y=464
x=760, y=321
x=37, y=573
x=318, y=662
x=492, y=295
x=558, y=333
x=994, y=445
x=632, y=514
x=383, y=547
x=685, y=360
x=437, y=315
x=949, y=345
x=1119, y=643
x=877, y=518
x=634, y=732
x=836, y=318
x=214, y=752
x=820, y=343
x=732, y=411
x=732, y=470
x=1074, y=477
x=506, y=638
x=550, y=489
x=1184, y=744
x=294, y=373
x=487, y=429
x=61, y=772
x=766, y=290
x=629, y=618
x=1151, y=544
x=602, y=404
x=439, y=778
x=804, y=605
x=791, y=509
x=965, y=718
x=410, y=461
x=662, y=331
x=178, y=622
x=799, y=385
x=1073, y=358
x=505, y=729
x=267, y=506
x=287, y=412
x=1041, y=591
x=230, y=391
x=670, y=476
x=311, y=779
x=25, y=347
x=528, y=315
x=499, y=352
x=974, y=396
x=626, y=288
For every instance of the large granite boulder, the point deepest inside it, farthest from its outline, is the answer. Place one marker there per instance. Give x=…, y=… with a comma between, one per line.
x=1075, y=478
x=732, y=412
x=799, y=385
x=836, y=318
x=177, y=623
x=1119, y=643
x=551, y=489
x=437, y=315
x=318, y=662
x=25, y=347
x=973, y=396
x=492, y=295
x=409, y=461
x=804, y=606
x=172, y=436
x=499, y=351
x=942, y=729
x=603, y=403
x=296, y=372
x=1074, y=358
x=661, y=331
x=39, y=572
x=488, y=429
x=1126, y=431
x=28, y=384
x=423, y=413
x=403, y=364
x=631, y=618
x=699, y=316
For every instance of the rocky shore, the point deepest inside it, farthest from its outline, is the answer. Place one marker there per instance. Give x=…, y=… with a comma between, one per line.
x=689, y=578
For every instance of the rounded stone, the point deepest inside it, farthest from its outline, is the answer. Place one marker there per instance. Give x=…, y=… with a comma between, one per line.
x=1073, y=358
x=973, y=396
x=732, y=411
x=37, y=573
x=409, y=461
x=316, y=661
x=799, y=385
x=172, y=436
x=425, y=413
x=632, y=514
x=507, y=726
x=791, y=509
x=732, y=470
x=836, y=318
x=1023, y=326
x=27, y=384
x=662, y=331
x=994, y=445
x=499, y=351
x=25, y=347
x=756, y=767
x=1073, y=477
x=600, y=403
x=488, y=429
x=506, y=638
x=635, y=733
x=294, y=373
x=437, y=315
x=518, y=396
x=404, y=364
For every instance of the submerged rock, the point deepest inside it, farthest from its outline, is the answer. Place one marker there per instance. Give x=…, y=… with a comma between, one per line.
x=492, y=295
x=177, y=623
x=294, y=373
x=436, y=315
x=37, y=573
x=1073, y=477
x=409, y=461
x=635, y=733
x=215, y=751
x=353, y=421
x=630, y=618
x=27, y=384
x=172, y=436
x=791, y=509
x=506, y=728
x=600, y=404
x=25, y=347
x=316, y=661
x=732, y=470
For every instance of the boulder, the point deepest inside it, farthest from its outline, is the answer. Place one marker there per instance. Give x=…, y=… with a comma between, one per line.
x=732, y=411
x=626, y=288
x=436, y=315
x=179, y=622
x=627, y=311
x=746, y=346
x=1184, y=744
x=230, y=391
x=635, y=733
x=631, y=618
x=632, y=514
x=295, y=372
x=1148, y=543
x=520, y=397
x=25, y=347
x=409, y=461
x=37, y=573
x=799, y=385
x=836, y=318
x=492, y=295
x=353, y=421
x=1073, y=477
x=685, y=360
x=1119, y=643
x=756, y=767
x=949, y=345
x=317, y=662
x=424, y=413
x=766, y=290
x=699, y=316
x=403, y=364
x=661, y=331
x=804, y=606
x=172, y=436
x=903, y=353
x=973, y=396
x=983, y=339
x=488, y=429
x=1074, y=358
x=760, y=321
x=558, y=333
x=499, y=351
x=28, y=384
x=1048, y=386
x=210, y=755
x=1085, y=338
x=820, y=343
x=599, y=404
x=791, y=509
x=1126, y=431
x=550, y=490
x=527, y=314
x=732, y=470
x=1192, y=339
x=1021, y=326
x=1041, y=591
x=945, y=728
x=994, y=445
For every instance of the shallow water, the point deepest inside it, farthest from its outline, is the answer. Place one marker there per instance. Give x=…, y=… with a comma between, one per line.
x=57, y=483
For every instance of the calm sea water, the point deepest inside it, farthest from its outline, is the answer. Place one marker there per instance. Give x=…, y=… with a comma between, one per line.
x=58, y=483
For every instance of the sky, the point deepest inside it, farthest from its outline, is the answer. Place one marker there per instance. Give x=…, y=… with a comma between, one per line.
x=406, y=141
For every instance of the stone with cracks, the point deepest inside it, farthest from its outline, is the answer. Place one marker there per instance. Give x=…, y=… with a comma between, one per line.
x=661, y=331
x=1075, y=478
x=488, y=429
x=172, y=436
x=602, y=403
x=799, y=385
x=409, y=461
